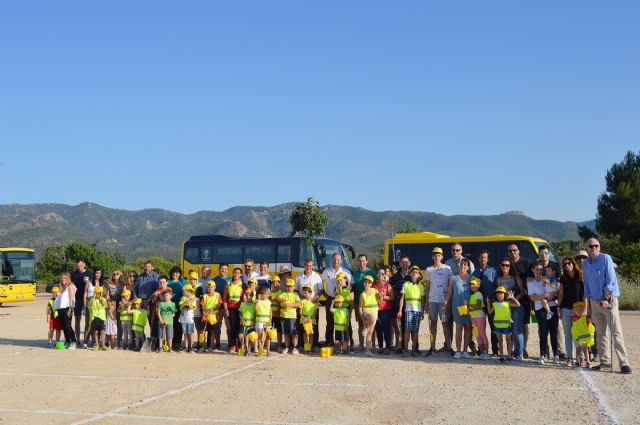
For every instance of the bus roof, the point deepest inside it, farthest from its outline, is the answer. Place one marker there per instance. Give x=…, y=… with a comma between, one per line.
x=10, y=248
x=232, y=238
x=429, y=236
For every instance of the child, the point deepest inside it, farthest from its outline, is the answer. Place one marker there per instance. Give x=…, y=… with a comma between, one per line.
x=550, y=285
x=253, y=285
x=478, y=318
x=125, y=319
x=582, y=331
x=247, y=320
x=501, y=309
x=340, y=324
x=347, y=295
x=211, y=302
x=263, y=319
x=289, y=302
x=187, y=309
x=368, y=305
x=166, y=310
x=52, y=317
x=138, y=322
x=276, y=291
x=111, y=327
x=413, y=300
x=308, y=308
x=98, y=311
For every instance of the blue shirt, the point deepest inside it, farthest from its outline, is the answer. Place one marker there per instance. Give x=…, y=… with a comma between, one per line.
x=176, y=287
x=488, y=285
x=221, y=282
x=146, y=285
x=600, y=277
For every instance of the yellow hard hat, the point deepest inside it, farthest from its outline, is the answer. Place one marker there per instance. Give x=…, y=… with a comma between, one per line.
x=137, y=301
x=414, y=268
x=369, y=278
x=341, y=276
x=275, y=278
x=211, y=283
x=126, y=292
x=193, y=275
x=55, y=290
x=339, y=299
x=290, y=282
x=248, y=291
x=501, y=289
x=578, y=304
x=253, y=280
x=475, y=281
x=98, y=289
x=187, y=287
x=437, y=250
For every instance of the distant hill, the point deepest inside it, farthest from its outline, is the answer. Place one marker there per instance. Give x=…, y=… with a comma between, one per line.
x=161, y=232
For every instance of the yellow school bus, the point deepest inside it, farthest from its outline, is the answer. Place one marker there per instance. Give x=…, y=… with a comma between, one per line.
x=418, y=247
x=18, y=277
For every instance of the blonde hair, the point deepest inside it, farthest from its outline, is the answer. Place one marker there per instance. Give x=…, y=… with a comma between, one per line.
x=64, y=275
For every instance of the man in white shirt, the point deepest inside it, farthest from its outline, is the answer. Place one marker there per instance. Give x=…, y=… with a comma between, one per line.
x=329, y=290
x=248, y=270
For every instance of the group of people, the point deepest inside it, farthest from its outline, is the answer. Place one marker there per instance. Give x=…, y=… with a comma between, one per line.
x=259, y=309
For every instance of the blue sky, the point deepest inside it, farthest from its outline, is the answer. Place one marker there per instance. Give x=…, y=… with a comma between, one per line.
x=455, y=107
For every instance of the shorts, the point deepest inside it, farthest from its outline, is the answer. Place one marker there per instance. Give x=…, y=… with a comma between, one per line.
x=502, y=331
x=97, y=324
x=576, y=344
x=341, y=336
x=277, y=324
x=260, y=326
x=289, y=326
x=370, y=315
x=188, y=328
x=460, y=319
x=54, y=324
x=412, y=321
x=526, y=317
x=437, y=310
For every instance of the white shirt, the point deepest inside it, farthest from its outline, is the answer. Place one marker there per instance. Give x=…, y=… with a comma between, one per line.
x=438, y=278
x=246, y=278
x=329, y=277
x=539, y=288
x=62, y=300
x=315, y=281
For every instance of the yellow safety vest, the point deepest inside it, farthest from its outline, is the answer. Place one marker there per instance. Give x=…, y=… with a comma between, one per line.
x=235, y=291
x=139, y=318
x=98, y=308
x=340, y=318
x=582, y=333
x=370, y=301
x=346, y=294
x=212, y=302
x=502, y=317
x=275, y=307
x=289, y=297
x=308, y=310
x=263, y=310
x=473, y=299
x=248, y=312
x=413, y=293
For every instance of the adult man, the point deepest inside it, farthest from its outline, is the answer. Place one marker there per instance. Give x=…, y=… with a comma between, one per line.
x=397, y=282
x=205, y=276
x=439, y=278
x=146, y=283
x=601, y=292
x=221, y=281
x=523, y=269
x=313, y=280
x=456, y=257
x=248, y=271
x=487, y=276
x=329, y=290
x=80, y=277
x=358, y=278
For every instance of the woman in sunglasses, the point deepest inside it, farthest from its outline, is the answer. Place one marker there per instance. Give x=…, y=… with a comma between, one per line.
x=508, y=278
x=571, y=290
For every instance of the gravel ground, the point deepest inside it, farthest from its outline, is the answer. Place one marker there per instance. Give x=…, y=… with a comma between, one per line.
x=81, y=386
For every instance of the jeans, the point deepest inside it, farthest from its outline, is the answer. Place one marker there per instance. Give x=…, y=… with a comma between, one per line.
x=517, y=313
x=567, y=313
x=383, y=328
x=548, y=328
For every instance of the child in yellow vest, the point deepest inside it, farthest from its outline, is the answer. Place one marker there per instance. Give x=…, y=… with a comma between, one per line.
x=263, y=319
x=368, y=305
x=478, y=318
x=345, y=290
x=501, y=309
x=289, y=303
x=340, y=319
x=211, y=302
x=247, y=321
x=412, y=303
x=188, y=304
x=138, y=322
x=276, y=322
x=582, y=332
x=52, y=317
x=98, y=312
x=308, y=308
x=125, y=311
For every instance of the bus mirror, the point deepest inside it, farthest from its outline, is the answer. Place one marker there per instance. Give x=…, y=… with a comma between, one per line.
x=350, y=249
x=323, y=252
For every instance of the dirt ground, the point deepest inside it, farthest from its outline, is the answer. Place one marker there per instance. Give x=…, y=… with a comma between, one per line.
x=39, y=385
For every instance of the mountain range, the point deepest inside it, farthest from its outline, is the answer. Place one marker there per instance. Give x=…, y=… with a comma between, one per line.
x=140, y=234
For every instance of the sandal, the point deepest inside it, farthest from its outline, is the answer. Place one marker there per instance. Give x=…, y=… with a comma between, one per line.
x=569, y=362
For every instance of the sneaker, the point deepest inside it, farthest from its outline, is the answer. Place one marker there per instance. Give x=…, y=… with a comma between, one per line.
x=189, y=350
x=541, y=360
x=602, y=367
x=525, y=354
x=625, y=370
x=295, y=351
x=370, y=354
x=457, y=355
x=84, y=345
x=352, y=351
x=485, y=356
x=429, y=353
x=104, y=348
x=71, y=346
x=519, y=358
x=50, y=344
x=452, y=351
x=549, y=315
x=96, y=348
x=413, y=353
x=316, y=349
x=466, y=355
x=556, y=360
x=502, y=360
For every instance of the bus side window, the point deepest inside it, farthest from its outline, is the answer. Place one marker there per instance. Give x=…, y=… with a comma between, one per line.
x=527, y=251
x=260, y=252
x=307, y=251
x=284, y=253
x=191, y=255
x=228, y=253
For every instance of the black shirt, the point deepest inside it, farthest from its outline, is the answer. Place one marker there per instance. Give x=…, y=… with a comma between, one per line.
x=396, y=282
x=77, y=278
x=572, y=291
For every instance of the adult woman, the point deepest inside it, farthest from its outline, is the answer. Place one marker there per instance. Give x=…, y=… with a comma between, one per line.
x=113, y=291
x=459, y=293
x=64, y=306
x=571, y=290
x=508, y=277
x=89, y=289
x=540, y=288
x=176, y=282
x=131, y=281
x=385, y=312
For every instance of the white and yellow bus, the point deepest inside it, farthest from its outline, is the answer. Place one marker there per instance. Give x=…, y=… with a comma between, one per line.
x=418, y=247
x=18, y=277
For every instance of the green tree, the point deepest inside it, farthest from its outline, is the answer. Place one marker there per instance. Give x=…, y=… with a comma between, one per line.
x=160, y=265
x=309, y=220
x=61, y=258
x=586, y=233
x=619, y=205
x=408, y=228
x=566, y=248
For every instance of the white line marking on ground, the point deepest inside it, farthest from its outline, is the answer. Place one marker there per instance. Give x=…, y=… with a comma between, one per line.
x=92, y=377
x=165, y=395
x=603, y=408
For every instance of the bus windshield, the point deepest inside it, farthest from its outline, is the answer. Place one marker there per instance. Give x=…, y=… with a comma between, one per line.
x=18, y=266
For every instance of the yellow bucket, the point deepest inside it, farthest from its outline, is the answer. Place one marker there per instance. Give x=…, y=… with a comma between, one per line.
x=241, y=351
x=201, y=337
x=330, y=350
x=212, y=319
x=308, y=328
x=325, y=352
x=463, y=310
x=307, y=346
x=253, y=336
x=475, y=331
x=273, y=333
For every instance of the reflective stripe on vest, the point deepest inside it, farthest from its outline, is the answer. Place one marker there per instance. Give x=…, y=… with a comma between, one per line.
x=235, y=291
x=502, y=317
x=370, y=301
x=289, y=313
x=582, y=333
x=262, y=311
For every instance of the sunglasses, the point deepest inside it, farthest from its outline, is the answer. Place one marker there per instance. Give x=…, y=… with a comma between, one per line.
x=505, y=265
x=456, y=250
x=594, y=246
x=514, y=250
